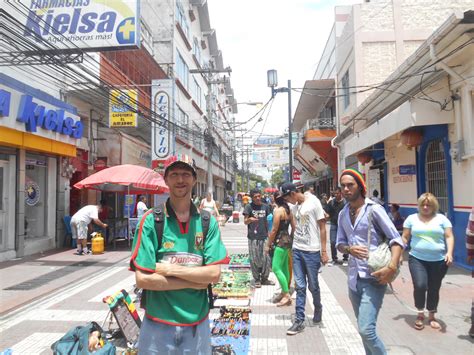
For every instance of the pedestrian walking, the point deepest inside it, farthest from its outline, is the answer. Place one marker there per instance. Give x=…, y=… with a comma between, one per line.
x=366, y=288
x=431, y=253
x=141, y=206
x=333, y=208
x=375, y=198
x=255, y=217
x=280, y=239
x=308, y=252
x=396, y=217
x=176, y=272
x=80, y=223
x=470, y=260
x=210, y=205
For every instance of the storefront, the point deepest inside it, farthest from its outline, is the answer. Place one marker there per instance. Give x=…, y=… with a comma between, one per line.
x=37, y=131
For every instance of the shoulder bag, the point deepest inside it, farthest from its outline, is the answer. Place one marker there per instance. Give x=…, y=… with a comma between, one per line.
x=380, y=257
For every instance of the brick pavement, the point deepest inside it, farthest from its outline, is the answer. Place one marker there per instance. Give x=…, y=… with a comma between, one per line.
x=32, y=320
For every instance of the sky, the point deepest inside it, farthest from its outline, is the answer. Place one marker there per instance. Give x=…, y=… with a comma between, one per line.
x=257, y=35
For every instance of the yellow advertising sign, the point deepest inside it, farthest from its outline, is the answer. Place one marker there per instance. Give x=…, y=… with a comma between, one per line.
x=123, y=108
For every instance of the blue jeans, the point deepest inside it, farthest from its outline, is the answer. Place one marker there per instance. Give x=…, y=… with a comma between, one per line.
x=366, y=303
x=160, y=338
x=305, y=268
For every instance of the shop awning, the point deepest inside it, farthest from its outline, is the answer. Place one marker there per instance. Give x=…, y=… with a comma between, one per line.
x=315, y=95
x=310, y=160
x=320, y=141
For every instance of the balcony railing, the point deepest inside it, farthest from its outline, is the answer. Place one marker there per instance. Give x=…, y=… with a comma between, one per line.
x=323, y=123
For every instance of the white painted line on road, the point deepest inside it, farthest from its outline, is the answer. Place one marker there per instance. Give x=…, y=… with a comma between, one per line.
x=64, y=315
x=36, y=343
x=126, y=284
x=17, y=316
x=340, y=335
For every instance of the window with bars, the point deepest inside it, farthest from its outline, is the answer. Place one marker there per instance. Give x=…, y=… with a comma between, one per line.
x=435, y=173
x=345, y=89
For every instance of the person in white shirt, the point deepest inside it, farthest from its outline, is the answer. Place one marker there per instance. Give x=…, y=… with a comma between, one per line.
x=209, y=204
x=309, y=251
x=141, y=206
x=81, y=220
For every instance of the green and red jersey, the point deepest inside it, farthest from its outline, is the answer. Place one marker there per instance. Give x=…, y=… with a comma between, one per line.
x=183, y=244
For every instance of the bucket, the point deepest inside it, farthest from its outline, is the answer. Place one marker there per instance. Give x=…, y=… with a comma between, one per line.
x=235, y=216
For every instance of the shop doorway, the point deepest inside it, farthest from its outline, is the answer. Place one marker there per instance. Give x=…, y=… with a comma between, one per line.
x=435, y=172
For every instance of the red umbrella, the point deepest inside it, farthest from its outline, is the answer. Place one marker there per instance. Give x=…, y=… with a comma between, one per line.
x=270, y=189
x=130, y=179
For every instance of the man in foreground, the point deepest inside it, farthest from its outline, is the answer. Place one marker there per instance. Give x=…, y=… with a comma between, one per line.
x=176, y=272
x=366, y=288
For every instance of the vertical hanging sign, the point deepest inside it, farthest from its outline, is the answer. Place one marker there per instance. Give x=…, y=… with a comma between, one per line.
x=162, y=91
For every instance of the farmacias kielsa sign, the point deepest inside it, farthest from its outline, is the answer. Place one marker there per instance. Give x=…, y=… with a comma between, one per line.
x=84, y=24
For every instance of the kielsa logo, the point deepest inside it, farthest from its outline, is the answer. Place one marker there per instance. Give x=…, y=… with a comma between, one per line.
x=81, y=21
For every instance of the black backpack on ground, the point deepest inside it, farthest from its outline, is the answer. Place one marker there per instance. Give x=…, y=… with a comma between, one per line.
x=205, y=222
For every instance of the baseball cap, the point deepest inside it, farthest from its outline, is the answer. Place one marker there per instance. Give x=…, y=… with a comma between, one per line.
x=286, y=188
x=180, y=159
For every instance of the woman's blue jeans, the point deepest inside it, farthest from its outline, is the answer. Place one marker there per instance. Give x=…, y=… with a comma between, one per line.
x=366, y=303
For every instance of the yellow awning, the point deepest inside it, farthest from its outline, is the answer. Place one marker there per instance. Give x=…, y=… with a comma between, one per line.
x=18, y=139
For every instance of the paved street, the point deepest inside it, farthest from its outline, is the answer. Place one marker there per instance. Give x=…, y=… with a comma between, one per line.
x=45, y=295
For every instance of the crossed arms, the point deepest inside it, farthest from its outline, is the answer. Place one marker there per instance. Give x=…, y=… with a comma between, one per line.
x=169, y=277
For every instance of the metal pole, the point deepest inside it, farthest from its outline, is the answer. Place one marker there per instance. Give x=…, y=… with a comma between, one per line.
x=290, y=138
x=243, y=169
x=210, y=188
x=248, y=171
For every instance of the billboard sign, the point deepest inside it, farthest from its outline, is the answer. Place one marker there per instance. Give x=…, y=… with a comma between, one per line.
x=162, y=97
x=85, y=24
x=123, y=108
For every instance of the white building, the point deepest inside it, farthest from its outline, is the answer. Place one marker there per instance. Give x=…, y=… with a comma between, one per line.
x=187, y=44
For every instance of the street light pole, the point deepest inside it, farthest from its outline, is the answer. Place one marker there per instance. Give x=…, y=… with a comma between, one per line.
x=272, y=81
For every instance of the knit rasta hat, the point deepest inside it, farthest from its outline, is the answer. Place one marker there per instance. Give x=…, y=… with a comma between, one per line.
x=358, y=178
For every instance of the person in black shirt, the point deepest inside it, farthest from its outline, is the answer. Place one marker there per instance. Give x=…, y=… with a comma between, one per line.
x=255, y=217
x=333, y=208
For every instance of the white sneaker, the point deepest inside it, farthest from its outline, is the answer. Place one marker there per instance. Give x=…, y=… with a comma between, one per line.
x=345, y=263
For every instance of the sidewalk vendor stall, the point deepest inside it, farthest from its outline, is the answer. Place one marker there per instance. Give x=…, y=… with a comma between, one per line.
x=230, y=328
x=124, y=180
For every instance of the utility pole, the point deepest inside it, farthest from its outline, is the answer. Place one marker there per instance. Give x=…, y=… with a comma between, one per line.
x=248, y=171
x=209, y=139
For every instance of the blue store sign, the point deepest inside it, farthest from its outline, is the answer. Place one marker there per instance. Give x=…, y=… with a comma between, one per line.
x=407, y=169
x=35, y=115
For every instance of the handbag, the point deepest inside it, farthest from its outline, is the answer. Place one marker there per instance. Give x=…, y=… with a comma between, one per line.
x=380, y=257
x=283, y=240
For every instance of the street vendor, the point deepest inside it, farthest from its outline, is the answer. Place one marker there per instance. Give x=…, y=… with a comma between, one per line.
x=80, y=222
x=175, y=275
